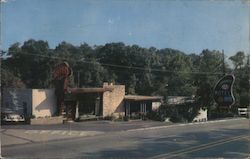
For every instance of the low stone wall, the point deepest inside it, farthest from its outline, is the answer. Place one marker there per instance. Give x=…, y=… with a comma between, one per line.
x=46, y=121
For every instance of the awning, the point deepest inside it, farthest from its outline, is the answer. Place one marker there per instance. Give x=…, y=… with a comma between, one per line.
x=88, y=90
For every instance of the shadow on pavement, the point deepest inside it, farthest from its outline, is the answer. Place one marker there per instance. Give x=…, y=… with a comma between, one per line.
x=150, y=147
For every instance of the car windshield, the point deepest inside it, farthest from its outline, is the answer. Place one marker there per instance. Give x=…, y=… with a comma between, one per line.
x=125, y=79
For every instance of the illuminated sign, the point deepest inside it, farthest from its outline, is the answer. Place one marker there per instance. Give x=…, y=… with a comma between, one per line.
x=223, y=91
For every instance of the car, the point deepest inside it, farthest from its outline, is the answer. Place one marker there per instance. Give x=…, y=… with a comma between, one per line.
x=12, y=117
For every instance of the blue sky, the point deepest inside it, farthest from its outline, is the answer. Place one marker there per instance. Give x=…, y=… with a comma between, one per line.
x=186, y=25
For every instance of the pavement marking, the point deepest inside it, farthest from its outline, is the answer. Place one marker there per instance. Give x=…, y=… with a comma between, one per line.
x=17, y=137
x=64, y=132
x=199, y=147
x=185, y=124
x=44, y=131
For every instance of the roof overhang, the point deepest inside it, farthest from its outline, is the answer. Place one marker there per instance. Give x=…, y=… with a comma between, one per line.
x=88, y=90
x=142, y=98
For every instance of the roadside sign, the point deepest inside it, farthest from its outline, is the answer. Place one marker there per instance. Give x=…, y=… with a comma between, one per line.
x=223, y=91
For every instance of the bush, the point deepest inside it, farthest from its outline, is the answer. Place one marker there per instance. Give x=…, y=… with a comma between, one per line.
x=185, y=114
x=110, y=117
x=154, y=115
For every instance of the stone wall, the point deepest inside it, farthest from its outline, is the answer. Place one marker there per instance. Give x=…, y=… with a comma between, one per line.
x=113, y=100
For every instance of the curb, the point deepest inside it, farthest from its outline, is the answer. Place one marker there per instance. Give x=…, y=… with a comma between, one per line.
x=185, y=124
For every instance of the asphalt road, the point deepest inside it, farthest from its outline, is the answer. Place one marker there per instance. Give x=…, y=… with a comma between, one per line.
x=227, y=139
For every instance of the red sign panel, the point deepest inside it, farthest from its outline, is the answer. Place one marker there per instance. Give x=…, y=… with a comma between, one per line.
x=62, y=70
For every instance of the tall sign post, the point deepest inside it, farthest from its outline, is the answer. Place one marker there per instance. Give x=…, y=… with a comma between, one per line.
x=60, y=75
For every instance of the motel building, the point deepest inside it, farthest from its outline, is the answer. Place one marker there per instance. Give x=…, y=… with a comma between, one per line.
x=43, y=106
x=108, y=101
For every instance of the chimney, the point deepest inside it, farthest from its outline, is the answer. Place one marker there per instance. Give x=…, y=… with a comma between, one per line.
x=105, y=84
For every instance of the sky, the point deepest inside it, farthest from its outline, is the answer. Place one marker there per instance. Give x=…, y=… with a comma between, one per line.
x=187, y=25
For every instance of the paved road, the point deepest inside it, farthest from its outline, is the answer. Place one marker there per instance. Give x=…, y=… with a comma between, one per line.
x=228, y=139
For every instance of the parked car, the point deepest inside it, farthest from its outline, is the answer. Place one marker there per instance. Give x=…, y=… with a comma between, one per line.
x=244, y=112
x=12, y=117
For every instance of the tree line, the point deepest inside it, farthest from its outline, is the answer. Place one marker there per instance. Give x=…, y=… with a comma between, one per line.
x=144, y=71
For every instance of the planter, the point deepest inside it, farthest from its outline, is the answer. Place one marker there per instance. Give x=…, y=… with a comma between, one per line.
x=47, y=121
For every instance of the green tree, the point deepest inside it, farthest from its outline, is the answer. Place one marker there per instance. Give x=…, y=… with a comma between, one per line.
x=241, y=72
x=9, y=80
x=238, y=59
x=31, y=63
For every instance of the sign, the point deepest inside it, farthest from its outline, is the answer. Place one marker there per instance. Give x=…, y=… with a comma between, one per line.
x=60, y=74
x=223, y=91
x=62, y=71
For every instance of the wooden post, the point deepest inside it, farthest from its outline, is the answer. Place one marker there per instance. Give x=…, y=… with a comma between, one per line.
x=77, y=110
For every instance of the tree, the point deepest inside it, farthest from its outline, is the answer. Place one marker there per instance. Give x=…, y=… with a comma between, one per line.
x=90, y=74
x=31, y=63
x=145, y=71
x=241, y=73
x=209, y=67
x=238, y=59
x=9, y=80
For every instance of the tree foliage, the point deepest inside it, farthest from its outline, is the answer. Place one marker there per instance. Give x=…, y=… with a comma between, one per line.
x=144, y=71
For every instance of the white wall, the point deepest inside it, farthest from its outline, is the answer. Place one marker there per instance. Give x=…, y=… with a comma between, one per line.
x=43, y=102
x=156, y=105
x=202, y=116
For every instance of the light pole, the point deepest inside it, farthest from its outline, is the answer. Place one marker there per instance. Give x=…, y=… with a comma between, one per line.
x=78, y=79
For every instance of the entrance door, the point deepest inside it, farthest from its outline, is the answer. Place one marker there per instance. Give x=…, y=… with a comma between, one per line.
x=90, y=105
x=70, y=110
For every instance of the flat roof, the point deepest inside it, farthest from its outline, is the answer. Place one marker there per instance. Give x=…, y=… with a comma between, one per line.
x=142, y=98
x=88, y=90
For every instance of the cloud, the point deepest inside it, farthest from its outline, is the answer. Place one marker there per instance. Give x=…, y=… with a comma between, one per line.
x=130, y=34
x=111, y=21
x=6, y=1
x=3, y=1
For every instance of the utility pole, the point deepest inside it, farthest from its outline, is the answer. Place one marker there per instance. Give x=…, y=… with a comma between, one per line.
x=248, y=78
x=223, y=63
x=1, y=50
x=78, y=79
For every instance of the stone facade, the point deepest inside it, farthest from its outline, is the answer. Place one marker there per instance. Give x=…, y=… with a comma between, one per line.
x=113, y=100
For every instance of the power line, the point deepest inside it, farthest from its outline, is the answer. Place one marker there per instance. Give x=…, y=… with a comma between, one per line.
x=122, y=66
